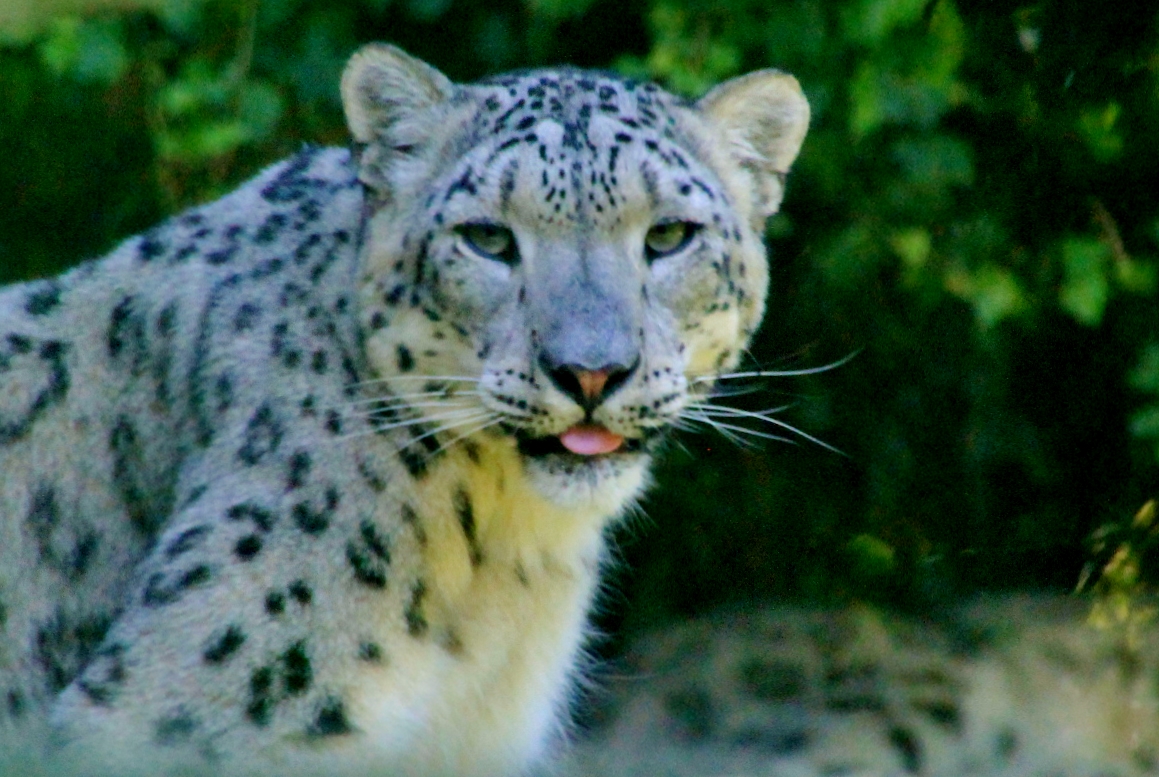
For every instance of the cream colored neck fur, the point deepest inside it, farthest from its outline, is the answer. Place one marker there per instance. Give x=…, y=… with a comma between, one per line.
x=505, y=631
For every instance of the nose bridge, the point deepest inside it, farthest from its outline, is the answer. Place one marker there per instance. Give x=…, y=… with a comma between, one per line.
x=586, y=316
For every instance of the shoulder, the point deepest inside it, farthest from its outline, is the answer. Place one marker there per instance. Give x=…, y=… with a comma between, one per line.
x=285, y=203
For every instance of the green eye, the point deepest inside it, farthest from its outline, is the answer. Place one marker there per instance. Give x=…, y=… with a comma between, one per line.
x=668, y=237
x=490, y=241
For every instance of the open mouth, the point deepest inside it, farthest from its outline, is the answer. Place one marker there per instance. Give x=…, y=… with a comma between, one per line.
x=581, y=440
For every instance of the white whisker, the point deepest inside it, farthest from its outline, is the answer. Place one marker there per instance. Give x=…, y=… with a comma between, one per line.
x=445, y=392
x=805, y=435
x=389, y=403
x=776, y=373
x=443, y=423
x=433, y=378
x=710, y=415
x=734, y=391
x=402, y=406
x=736, y=412
x=430, y=378
x=727, y=431
x=470, y=432
x=452, y=415
x=735, y=432
x=448, y=427
x=456, y=416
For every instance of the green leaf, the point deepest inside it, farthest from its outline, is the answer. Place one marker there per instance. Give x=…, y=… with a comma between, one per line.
x=796, y=31
x=947, y=34
x=871, y=555
x=87, y=51
x=1097, y=128
x=882, y=95
x=199, y=87
x=994, y=293
x=867, y=100
x=871, y=21
x=183, y=16
x=1085, y=287
x=688, y=63
x=935, y=160
x=1145, y=423
x=260, y=108
x=315, y=62
x=851, y=256
x=428, y=10
x=1145, y=376
x=1137, y=277
x=204, y=141
x=633, y=66
x=558, y=9
x=912, y=245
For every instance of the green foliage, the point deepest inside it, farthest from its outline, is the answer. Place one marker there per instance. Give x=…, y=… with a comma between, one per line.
x=1144, y=378
x=205, y=114
x=974, y=211
x=89, y=51
x=1085, y=288
x=686, y=54
x=1121, y=574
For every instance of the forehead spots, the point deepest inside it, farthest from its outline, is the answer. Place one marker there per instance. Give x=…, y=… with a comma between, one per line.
x=576, y=149
x=569, y=99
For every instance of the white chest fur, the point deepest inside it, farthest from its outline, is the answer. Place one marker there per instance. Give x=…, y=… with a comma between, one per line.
x=504, y=603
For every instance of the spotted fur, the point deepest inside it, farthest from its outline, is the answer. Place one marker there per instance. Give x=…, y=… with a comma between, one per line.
x=283, y=487
x=1006, y=687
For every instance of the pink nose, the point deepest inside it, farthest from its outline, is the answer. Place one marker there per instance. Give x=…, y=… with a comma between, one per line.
x=591, y=382
x=587, y=387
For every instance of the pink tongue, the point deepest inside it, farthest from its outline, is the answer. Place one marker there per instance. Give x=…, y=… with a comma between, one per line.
x=590, y=440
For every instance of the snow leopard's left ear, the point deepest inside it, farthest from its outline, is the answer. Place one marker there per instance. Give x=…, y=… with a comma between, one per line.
x=763, y=117
x=392, y=101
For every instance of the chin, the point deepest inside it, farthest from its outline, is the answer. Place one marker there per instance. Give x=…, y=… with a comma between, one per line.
x=606, y=484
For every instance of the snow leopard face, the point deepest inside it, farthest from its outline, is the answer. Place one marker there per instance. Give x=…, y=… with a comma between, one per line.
x=577, y=256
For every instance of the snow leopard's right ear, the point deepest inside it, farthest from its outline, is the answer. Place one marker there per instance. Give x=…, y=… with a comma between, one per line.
x=390, y=99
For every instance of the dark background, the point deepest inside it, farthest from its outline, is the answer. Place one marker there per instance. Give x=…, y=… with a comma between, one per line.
x=975, y=214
